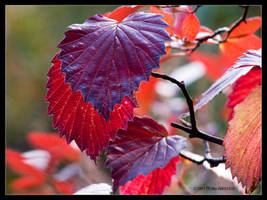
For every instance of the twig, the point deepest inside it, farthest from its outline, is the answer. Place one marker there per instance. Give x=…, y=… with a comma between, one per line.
x=218, y=31
x=192, y=157
x=189, y=101
x=193, y=130
x=236, y=24
x=199, y=134
x=196, y=9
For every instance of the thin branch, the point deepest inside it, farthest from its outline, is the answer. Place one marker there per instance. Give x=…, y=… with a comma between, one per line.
x=236, y=24
x=193, y=130
x=199, y=134
x=192, y=157
x=196, y=9
x=189, y=101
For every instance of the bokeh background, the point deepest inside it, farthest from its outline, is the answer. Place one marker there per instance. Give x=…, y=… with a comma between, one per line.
x=31, y=35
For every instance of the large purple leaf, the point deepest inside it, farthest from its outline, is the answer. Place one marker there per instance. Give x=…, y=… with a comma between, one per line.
x=243, y=66
x=106, y=60
x=143, y=147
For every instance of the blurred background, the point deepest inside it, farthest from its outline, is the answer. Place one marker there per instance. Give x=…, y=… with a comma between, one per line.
x=31, y=36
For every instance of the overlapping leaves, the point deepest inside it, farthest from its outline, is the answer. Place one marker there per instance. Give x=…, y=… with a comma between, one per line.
x=142, y=148
x=106, y=60
x=79, y=121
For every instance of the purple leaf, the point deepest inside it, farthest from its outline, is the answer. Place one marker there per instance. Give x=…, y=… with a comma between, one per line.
x=243, y=66
x=106, y=60
x=143, y=147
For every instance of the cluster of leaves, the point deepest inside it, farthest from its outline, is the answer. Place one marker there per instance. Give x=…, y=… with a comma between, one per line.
x=38, y=167
x=94, y=78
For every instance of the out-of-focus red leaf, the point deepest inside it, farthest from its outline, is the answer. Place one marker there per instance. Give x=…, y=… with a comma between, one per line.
x=180, y=15
x=246, y=28
x=79, y=121
x=31, y=175
x=212, y=62
x=120, y=13
x=243, y=141
x=153, y=183
x=235, y=47
x=242, y=87
x=56, y=146
x=190, y=27
x=145, y=96
x=142, y=148
x=168, y=18
x=64, y=187
x=106, y=60
x=26, y=182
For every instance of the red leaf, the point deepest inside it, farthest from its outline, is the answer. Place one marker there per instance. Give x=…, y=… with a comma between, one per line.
x=55, y=145
x=212, y=62
x=180, y=15
x=31, y=175
x=120, y=13
x=243, y=141
x=141, y=149
x=246, y=28
x=242, y=88
x=107, y=60
x=64, y=187
x=153, y=183
x=145, y=96
x=78, y=120
x=168, y=18
x=190, y=27
x=234, y=48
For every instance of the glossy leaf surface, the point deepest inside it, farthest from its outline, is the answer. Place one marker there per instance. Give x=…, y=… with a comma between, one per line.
x=106, y=60
x=142, y=148
x=79, y=121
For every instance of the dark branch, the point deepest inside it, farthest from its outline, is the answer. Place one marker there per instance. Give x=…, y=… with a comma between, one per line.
x=193, y=131
x=236, y=24
x=212, y=161
x=199, y=134
x=196, y=9
x=188, y=98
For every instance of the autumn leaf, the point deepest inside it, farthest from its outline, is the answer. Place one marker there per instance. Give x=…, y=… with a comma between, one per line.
x=123, y=11
x=106, y=60
x=145, y=96
x=142, y=148
x=243, y=66
x=241, y=39
x=55, y=145
x=190, y=27
x=31, y=176
x=153, y=183
x=242, y=87
x=243, y=141
x=79, y=121
x=246, y=28
x=168, y=18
